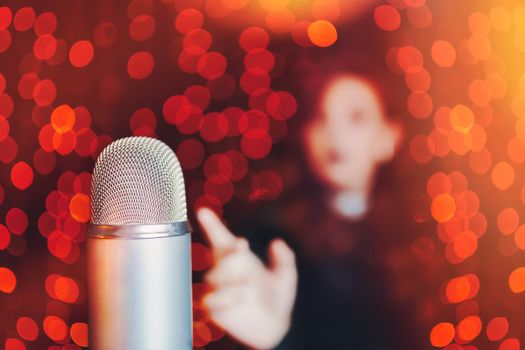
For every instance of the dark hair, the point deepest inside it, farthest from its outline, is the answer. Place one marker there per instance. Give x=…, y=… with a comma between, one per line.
x=311, y=82
x=314, y=73
x=359, y=51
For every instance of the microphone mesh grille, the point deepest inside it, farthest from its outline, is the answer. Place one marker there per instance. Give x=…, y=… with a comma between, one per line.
x=137, y=180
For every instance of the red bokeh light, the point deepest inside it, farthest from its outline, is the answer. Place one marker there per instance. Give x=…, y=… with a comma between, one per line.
x=44, y=92
x=213, y=127
x=104, y=34
x=191, y=153
x=14, y=344
x=197, y=42
x=5, y=17
x=497, y=328
x=45, y=23
x=21, y=175
x=7, y=280
x=24, y=19
x=55, y=328
x=45, y=47
x=5, y=237
x=253, y=38
x=387, y=17
x=142, y=27
x=256, y=143
x=4, y=128
x=81, y=53
x=200, y=257
x=188, y=20
x=79, y=334
x=233, y=105
x=16, y=221
x=140, y=65
x=27, y=328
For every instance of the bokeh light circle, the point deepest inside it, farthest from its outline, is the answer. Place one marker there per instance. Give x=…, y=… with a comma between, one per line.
x=322, y=33
x=140, y=65
x=81, y=53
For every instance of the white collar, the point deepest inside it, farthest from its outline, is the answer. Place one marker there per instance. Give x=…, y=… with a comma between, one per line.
x=351, y=205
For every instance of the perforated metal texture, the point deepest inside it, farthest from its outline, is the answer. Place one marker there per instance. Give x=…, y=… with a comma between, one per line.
x=137, y=180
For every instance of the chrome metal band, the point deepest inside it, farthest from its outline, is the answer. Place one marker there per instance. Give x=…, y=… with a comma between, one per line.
x=139, y=231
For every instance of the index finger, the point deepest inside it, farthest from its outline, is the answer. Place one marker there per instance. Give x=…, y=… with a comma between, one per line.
x=220, y=238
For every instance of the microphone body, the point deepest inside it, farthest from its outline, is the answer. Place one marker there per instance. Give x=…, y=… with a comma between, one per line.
x=139, y=288
x=138, y=250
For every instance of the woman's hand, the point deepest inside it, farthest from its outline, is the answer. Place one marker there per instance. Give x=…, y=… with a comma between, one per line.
x=252, y=302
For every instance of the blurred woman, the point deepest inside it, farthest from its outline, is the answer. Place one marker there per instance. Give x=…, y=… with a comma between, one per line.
x=343, y=237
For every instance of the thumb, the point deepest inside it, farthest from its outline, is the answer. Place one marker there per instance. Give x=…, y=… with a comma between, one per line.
x=282, y=262
x=222, y=241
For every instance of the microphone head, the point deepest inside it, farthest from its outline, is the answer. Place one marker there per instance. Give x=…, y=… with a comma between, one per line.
x=137, y=180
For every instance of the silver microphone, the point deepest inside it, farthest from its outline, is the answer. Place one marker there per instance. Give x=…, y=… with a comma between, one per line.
x=138, y=250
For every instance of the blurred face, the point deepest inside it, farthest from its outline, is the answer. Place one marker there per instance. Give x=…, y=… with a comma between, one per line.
x=349, y=137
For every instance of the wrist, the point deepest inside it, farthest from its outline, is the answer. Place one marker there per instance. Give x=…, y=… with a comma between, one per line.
x=282, y=327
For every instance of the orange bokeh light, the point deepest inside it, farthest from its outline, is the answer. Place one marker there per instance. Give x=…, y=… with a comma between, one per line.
x=479, y=47
x=280, y=21
x=510, y=344
x=500, y=19
x=63, y=118
x=79, y=334
x=7, y=280
x=442, y=334
x=480, y=92
x=462, y=288
x=464, y=88
x=79, y=207
x=443, y=207
x=461, y=118
x=469, y=328
x=322, y=33
x=66, y=289
x=502, y=175
x=479, y=23
x=465, y=244
x=519, y=237
x=420, y=104
x=387, y=17
x=508, y=220
x=55, y=328
x=517, y=280
x=497, y=328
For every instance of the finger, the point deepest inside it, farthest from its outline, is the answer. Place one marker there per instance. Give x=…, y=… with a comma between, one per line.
x=222, y=241
x=222, y=277
x=282, y=262
x=235, y=268
x=226, y=298
x=218, y=301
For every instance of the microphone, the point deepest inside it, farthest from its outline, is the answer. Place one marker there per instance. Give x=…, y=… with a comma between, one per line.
x=138, y=250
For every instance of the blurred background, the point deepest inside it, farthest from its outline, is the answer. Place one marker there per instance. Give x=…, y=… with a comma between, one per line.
x=231, y=85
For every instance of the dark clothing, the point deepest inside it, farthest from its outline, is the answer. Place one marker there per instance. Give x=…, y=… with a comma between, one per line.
x=349, y=296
